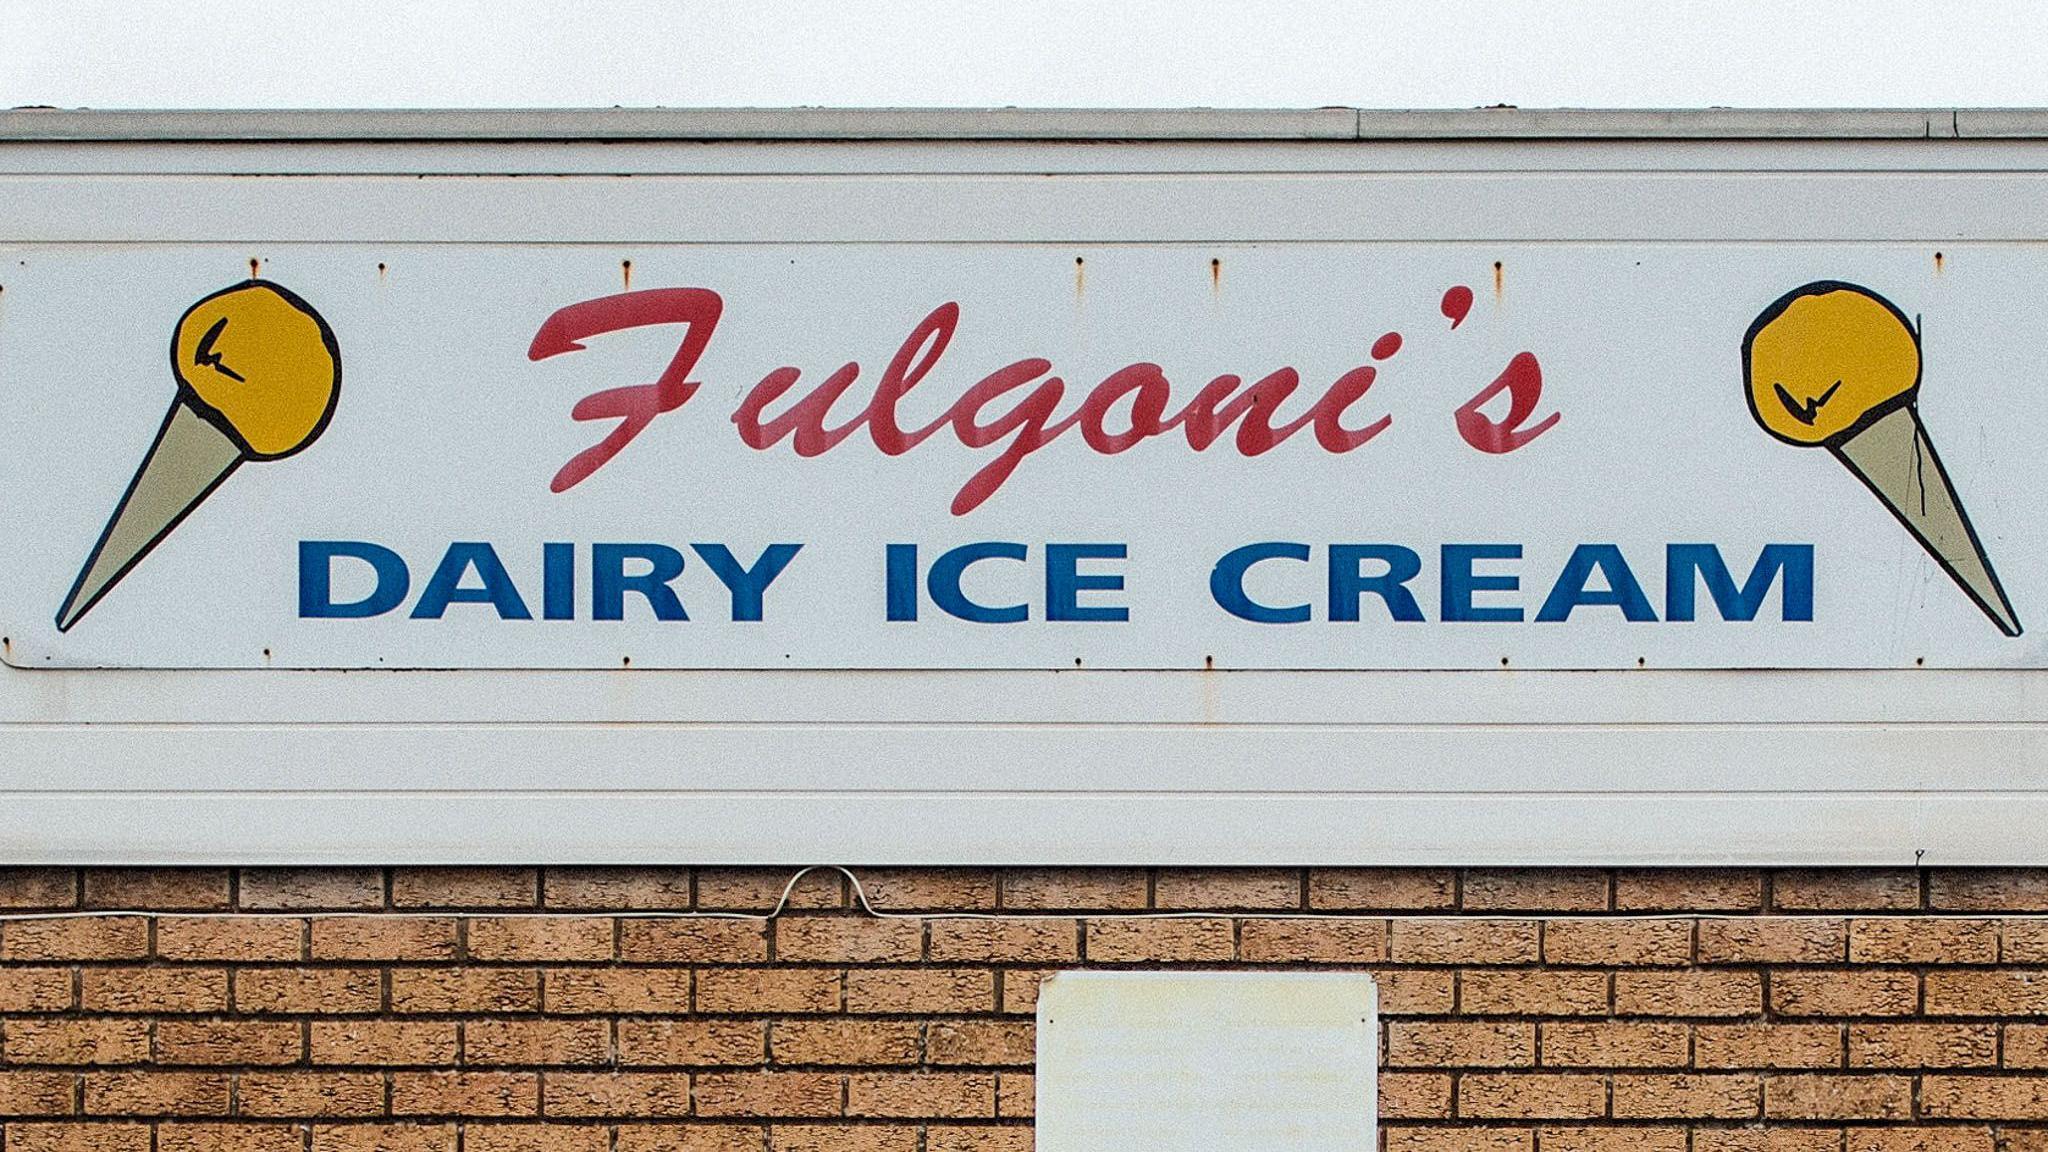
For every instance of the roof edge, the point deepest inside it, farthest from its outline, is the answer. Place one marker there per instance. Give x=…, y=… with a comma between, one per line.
x=1101, y=124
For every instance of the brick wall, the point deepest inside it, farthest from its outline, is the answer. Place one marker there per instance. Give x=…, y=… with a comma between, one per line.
x=1540, y=1011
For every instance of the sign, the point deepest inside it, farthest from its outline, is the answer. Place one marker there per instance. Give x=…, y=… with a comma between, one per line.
x=1003, y=456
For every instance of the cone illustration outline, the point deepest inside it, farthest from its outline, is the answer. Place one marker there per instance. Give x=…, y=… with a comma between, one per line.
x=1990, y=597
x=195, y=427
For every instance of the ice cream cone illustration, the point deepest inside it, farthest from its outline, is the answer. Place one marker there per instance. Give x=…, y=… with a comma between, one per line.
x=258, y=373
x=1837, y=366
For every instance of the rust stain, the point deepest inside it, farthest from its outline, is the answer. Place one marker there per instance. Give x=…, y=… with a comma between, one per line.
x=255, y=268
x=380, y=269
x=626, y=274
x=1499, y=279
x=1080, y=276
x=1215, y=275
x=1937, y=263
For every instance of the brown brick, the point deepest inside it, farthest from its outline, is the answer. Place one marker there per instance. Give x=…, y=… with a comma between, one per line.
x=948, y=1095
x=1979, y=993
x=1688, y=890
x=540, y=939
x=156, y=1094
x=577, y=991
x=768, y=1094
x=383, y=938
x=843, y=1138
x=1492, y=992
x=553, y=1042
x=384, y=1138
x=2023, y=941
x=310, y=1095
x=230, y=1138
x=1020, y=989
x=236, y=940
x=1686, y=1095
x=1769, y=1046
x=35, y=1093
x=75, y=1041
x=1687, y=993
x=848, y=940
x=937, y=889
x=757, y=990
x=1988, y=890
x=933, y=990
x=2026, y=1046
x=1160, y=941
x=158, y=991
x=844, y=1041
x=94, y=1137
x=693, y=941
x=1773, y=940
x=1414, y=1095
x=309, y=991
x=977, y=1138
x=465, y=887
x=1855, y=992
x=1016, y=1095
x=622, y=1094
x=1772, y=1139
x=1031, y=941
x=1923, y=1045
x=1822, y=1097
x=220, y=1042
x=981, y=1042
x=1614, y=1044
x=82, y=938
x=1459, y=1140
x=1535, y=890
x=691, y=1138
x=1984, y=1098
x=1382, y=889
x=437, y=990
x=1914, y=940
x=1337, y=940
x=536, y=1138
x=758, y=889
x=616, y=889
x=290, y=889
x=1055, y=889
x=466, y=1094
x=1617, y=942
x=151, y=889
x=1531, y=1096
x=691, y=1043
x=38, y=888
x=383, y=1043
x=1205, y=889
x=1462, y=1043
x=1442, y=940
x=1845, y=889
x=1642, y=1138
x=1944, y=1139
x=36, y=989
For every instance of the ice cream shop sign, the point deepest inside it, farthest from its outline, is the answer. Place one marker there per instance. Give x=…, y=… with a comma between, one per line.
x=994, y=457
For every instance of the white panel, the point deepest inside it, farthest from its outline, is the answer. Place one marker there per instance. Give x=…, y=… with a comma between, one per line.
x=1172, y=1061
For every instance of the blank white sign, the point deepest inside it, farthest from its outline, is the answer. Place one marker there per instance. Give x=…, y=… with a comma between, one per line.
x=1180, y=1061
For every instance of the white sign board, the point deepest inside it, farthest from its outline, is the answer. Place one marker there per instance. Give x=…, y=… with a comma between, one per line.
x=1168, y=1061
x=887, y=456
x=1203, y=501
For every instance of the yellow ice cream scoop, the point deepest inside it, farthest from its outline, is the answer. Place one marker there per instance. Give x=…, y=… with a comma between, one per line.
x=1836, y=365
x=258, y=373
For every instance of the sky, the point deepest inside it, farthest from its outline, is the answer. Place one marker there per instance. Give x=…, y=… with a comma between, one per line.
x=930, y=53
